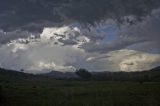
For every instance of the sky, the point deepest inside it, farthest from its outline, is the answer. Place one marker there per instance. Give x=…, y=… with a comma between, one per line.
x=64, y=35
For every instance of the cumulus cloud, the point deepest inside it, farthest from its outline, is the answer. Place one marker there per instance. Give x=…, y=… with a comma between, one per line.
x=94, y=39
x=123, y=60
x=130, y=60
x=6, y=37
x=41, y=54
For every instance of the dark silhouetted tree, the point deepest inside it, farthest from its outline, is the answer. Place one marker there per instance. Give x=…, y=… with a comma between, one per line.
x=22, y=70
x=83, y=73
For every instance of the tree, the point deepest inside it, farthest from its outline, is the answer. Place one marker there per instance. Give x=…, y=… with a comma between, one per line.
x=22, y=70
x=83, y=73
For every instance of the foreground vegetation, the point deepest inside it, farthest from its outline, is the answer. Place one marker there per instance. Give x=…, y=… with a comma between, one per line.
x=102, y=89
x=46, y=92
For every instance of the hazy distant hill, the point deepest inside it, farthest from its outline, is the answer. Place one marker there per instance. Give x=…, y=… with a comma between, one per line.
x=148, y=75
x=57, y=74
x=12, y=75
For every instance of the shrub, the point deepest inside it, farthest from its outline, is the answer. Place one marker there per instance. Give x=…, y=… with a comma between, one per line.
x=83, y=73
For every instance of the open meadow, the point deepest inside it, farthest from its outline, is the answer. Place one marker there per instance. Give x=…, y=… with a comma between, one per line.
x=78, y=93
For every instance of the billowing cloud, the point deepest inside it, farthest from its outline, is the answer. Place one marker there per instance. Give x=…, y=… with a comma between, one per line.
x=6, y=37
x=47, y=52
x=130, y=60
x=107, y=35
x=39, y=56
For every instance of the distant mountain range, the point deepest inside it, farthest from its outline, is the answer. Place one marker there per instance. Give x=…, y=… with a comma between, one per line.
x=148, y=75
x=57, y=74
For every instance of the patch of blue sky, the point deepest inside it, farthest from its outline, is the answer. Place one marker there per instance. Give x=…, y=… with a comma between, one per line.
x=109, y=32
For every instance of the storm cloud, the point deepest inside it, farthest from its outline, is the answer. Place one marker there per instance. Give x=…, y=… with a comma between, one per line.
x=101, y=35
x=35, y=14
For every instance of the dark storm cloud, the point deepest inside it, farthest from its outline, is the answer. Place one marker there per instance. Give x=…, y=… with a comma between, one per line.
x=33, y=15
x=68, y=34
x=18, y=13
x=142, y=36
x=105, y=47
x=6, y=37
x=90, y=11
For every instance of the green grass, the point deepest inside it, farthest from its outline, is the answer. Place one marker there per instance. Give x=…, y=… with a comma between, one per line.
x=79, y=93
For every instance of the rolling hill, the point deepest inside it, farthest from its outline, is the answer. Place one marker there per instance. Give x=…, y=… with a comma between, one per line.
x=147, y=75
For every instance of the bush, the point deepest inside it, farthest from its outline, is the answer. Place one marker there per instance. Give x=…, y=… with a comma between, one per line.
x=83, y=73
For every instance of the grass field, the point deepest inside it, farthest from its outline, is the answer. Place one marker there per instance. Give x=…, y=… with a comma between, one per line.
x=79, y=93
